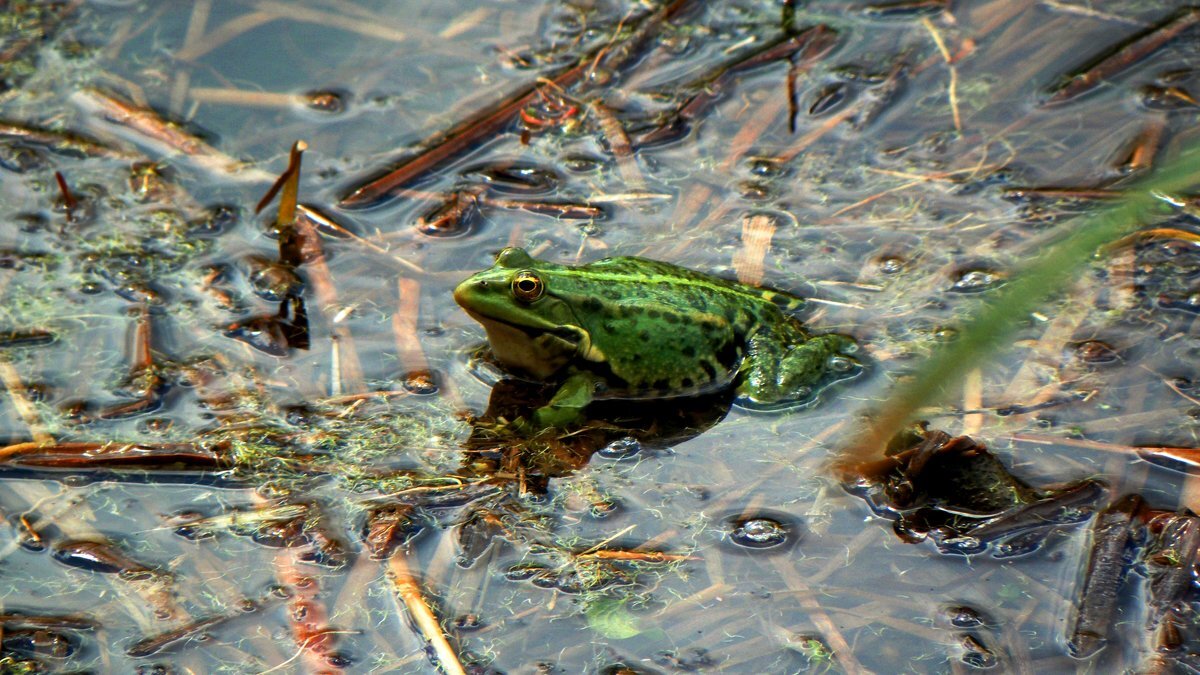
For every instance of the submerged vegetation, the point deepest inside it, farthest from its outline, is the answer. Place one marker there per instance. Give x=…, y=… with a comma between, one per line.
x=248, y=425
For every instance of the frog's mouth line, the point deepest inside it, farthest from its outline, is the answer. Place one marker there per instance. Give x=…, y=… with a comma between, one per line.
x=569, y=333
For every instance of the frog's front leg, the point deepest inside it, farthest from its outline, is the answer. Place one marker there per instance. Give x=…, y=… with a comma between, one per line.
x=567, y=404
x=781, y=369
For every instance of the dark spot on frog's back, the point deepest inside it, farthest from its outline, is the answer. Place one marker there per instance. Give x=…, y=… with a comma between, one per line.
x=689, y=351
x=671, y=318
x=644, y=335
x=709, y=368
x=653, y=313
x=592, y=305
x=611, y=294
x=687, y=383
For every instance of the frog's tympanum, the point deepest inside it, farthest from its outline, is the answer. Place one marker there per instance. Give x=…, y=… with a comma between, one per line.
x=635, y=328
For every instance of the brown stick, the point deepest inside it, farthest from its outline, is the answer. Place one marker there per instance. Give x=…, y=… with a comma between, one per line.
x=60, y=142
x=442, y=146
x=422, y=614
x=619, y=145
x=21, y=403
x=1092, y=75
x=144, y=126
x=224, y=33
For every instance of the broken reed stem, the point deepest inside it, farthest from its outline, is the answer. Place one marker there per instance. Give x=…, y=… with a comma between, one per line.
x=953, y=93
x=748, y=261
x=223, y=34
x=307, y=616
x=445, y=145
x=842, y=653
x=404, y=326
x=1127, y=54
x=620, y=147
x=242, y=97
x=422, y=614
x=347, y=369
x=19, y=396
x=973, y=400
x=146, y=127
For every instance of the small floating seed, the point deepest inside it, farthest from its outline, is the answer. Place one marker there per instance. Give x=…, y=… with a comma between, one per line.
x=263, y=333
x=90, y=555
x=767, y=167
x=961, y=616
x=891, y=264
x=421, y=383
x=1095, y=352
x=218, y=219
x=759, y=533
x=38, y=642
x=582, y=163
x=515, y=177
x=975, y=654
x=524, y=572
x=754, y=190
x=454, y=216
x=31, y=223
x=620, y=449
x=1167, y=98
x=156, y=425
x=467, y=622
x=976, y=280
x=273, y=281
x=325, y=101
x=828, y=99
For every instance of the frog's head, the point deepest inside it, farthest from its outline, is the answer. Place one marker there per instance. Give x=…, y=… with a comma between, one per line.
x=529, y=327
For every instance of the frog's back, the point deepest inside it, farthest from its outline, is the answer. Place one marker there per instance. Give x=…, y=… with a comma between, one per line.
x=673, y=284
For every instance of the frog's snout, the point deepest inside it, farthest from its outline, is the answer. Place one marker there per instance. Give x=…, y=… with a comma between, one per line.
x=460, y=292
x=469, y=287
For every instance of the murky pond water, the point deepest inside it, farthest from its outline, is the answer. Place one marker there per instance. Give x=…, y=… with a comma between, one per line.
x=235, y=445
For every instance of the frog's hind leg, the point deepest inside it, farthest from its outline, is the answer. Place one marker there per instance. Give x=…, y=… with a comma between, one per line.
x=781, y=372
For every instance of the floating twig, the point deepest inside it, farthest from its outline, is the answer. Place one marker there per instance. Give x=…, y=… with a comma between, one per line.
x=1129, y=53
x=422, y=614
x=1144, y=147
x=945, y=52
x=60, y=142
x=146, y=127
x=19, y=396
x=186, y=456
x=69, y=200
x=804, y=49
x=619, y=146
x=757, y=232
x=445, y=145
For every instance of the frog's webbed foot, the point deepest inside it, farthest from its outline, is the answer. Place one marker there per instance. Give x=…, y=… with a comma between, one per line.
x=781, y=373
x=567, y=404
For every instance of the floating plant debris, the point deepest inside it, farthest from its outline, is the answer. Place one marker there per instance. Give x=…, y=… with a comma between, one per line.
x=961, y=497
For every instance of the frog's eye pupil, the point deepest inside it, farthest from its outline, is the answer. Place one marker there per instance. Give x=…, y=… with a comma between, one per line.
x=527, y=286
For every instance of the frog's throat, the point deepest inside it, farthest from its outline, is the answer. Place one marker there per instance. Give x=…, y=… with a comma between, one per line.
x=538, y=347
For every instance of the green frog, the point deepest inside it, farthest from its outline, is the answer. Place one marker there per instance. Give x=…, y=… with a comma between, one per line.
x=635, y=328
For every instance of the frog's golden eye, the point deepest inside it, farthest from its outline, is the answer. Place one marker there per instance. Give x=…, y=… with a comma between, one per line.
x=527, y=286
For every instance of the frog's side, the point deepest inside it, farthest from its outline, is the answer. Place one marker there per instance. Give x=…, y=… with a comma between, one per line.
x=636, y=328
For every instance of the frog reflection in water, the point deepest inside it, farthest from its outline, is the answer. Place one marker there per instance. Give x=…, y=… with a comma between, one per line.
x=639, y=329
